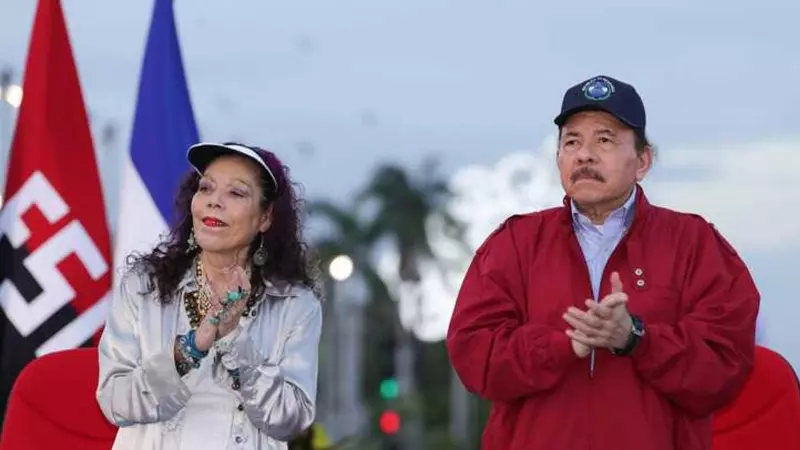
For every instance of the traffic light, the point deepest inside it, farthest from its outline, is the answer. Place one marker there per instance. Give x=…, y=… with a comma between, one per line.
x=389, y=422
x=389, y=389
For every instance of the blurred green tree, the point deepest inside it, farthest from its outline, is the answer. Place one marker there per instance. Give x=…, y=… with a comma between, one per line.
x=394, y=208
x=404, y=202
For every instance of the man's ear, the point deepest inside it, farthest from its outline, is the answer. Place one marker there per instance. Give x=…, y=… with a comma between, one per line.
x=645, y=163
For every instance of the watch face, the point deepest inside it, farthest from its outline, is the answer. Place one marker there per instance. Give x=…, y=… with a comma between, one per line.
x=638, y=326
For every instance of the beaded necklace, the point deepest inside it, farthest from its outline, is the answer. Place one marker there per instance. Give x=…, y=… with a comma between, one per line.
x=197, y=303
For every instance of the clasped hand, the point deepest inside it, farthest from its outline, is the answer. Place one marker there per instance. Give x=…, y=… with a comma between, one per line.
x=224, y=313
x=605, y=324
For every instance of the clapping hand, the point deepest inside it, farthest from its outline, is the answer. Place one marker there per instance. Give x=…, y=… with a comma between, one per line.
x=229, y=299
x=229, y=296
x=605, y=324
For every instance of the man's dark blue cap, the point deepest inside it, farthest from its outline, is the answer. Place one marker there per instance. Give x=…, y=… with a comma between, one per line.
x=603, y=93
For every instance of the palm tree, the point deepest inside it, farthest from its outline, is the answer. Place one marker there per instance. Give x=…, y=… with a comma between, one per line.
x=402, y=206
x=348, y=233
x=405, y=205
x=345, y=234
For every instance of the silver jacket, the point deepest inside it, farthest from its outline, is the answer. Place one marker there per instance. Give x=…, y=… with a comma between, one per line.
x=276, y=352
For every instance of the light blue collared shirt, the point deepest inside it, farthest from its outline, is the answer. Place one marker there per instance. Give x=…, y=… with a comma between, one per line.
x=599, y=241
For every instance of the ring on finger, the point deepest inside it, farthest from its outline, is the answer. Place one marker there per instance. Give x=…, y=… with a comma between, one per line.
x=234, y=296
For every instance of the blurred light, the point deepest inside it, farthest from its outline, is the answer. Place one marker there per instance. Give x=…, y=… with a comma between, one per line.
x=341, y=267
x=390, y=422
x=13, y=95
x=389, y=389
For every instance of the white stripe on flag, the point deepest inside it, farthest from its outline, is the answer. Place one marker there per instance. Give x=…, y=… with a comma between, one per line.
x=79, y=330
x=140, y=223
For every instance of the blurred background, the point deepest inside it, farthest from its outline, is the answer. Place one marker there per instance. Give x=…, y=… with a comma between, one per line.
x=416, y=127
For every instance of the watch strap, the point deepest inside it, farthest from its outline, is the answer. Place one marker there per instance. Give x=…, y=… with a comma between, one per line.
x=636, y=334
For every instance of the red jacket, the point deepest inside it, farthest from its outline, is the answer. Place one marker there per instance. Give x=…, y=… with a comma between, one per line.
x=507, y=343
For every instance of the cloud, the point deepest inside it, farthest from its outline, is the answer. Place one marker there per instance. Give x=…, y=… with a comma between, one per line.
x=519, y=182
x=746, y=190
x=749, y=191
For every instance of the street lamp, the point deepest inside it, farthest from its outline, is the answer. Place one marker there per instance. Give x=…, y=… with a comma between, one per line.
x=12, y=95
x=10, y=99
x=340, y=268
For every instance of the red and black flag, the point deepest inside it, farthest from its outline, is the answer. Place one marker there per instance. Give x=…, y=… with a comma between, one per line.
x=55, y=250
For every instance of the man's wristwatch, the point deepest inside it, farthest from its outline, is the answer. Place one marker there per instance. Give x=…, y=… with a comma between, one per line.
x=637, y=331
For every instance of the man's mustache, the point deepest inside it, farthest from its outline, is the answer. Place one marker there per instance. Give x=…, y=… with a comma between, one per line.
x=586, y=172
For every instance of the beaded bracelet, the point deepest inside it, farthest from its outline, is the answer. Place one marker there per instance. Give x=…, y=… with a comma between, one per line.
x=184, y=349
x=192, y=346
x=183, y=362
x=189, y=349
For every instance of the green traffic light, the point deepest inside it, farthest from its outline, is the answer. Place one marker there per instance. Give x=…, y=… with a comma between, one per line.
x=389, y=389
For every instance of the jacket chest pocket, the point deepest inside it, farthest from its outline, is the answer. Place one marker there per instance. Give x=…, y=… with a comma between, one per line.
x=655, y=304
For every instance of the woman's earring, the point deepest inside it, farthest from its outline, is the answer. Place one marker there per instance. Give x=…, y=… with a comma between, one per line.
x=260, y=255
x=192, y=243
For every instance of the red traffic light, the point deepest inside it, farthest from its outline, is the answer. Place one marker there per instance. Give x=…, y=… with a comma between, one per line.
x=390, y=422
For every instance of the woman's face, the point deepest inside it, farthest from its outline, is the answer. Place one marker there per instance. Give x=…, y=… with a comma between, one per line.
x=226, y=209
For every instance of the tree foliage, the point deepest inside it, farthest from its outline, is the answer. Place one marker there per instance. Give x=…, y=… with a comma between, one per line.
x=394, y=206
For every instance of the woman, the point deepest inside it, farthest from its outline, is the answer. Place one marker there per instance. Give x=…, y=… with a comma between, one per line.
x=213, y=340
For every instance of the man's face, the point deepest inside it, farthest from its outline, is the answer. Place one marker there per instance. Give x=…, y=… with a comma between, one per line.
x=598, y=161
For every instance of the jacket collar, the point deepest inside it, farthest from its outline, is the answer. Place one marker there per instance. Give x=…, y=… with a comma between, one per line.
x=624, y=212
x=640, y=211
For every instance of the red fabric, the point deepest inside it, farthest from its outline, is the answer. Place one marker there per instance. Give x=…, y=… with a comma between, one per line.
x=58, y=264
x=507, y=343
x=53, y=139
x=766, y=414
x=53, y=406
x=52, y=166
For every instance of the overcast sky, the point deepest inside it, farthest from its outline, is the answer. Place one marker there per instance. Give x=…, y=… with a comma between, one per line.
x=336, y=87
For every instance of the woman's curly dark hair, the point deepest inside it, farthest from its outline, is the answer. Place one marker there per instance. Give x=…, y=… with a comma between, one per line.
x=288, y=257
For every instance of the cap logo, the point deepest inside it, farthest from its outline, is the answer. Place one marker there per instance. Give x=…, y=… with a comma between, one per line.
x=598, y=89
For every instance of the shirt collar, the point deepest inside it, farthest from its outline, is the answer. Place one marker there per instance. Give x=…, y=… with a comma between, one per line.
x=189, y=280
x=626, y=211
x=272, y=288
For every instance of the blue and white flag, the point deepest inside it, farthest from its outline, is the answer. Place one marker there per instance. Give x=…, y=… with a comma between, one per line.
x=163, y=129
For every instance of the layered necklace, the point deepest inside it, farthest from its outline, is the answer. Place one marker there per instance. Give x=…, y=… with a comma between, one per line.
x=198, y=303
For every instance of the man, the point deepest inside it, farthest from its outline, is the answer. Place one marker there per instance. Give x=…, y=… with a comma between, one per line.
x=607, y=323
